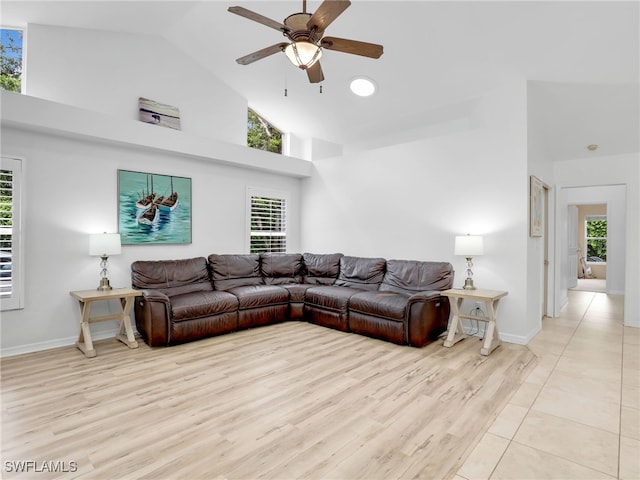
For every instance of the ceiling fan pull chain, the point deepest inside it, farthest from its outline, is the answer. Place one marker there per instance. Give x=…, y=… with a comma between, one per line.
x=320, y=88
x=285, y=83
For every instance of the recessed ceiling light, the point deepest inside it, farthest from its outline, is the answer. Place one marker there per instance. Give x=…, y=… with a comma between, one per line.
x=362, y=86
x=593, y=147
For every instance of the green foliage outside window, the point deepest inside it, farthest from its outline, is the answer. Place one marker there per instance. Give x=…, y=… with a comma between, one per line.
x=6, y=191
x=11, y=60
x=262, y=135
x=597, y=239
x=268, y=225
x=6, y=224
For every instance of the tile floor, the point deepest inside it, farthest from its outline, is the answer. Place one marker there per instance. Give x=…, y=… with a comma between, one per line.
x=577, y=416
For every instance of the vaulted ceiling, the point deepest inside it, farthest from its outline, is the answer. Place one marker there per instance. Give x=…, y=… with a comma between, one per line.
x=582, y=60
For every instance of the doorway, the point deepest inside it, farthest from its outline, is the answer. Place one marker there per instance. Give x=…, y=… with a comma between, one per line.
x=591, y=241
x=547, y=309
x=614, y=197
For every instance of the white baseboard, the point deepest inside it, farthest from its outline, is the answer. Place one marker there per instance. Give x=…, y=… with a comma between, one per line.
x=470, y=328
x=519, y=339
x=57, y=343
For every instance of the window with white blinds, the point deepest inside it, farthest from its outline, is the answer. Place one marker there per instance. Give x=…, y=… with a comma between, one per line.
x=10, y=241
x=268, y=222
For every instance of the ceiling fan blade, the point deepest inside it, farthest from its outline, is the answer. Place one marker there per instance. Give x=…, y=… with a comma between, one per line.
x=326, y=13
x=314, y=72
x=260, y=54
x=355, y=47
x=256, y=17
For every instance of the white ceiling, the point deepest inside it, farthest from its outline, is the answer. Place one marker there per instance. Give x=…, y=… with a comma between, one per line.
x=583, y=59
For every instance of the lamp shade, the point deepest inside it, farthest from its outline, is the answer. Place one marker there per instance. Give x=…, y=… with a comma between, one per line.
x=302, y=53
x=469, y=245
x=104, y=244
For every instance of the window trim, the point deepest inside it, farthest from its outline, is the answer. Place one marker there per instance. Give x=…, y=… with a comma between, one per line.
x=15, y=301
x=268, y=193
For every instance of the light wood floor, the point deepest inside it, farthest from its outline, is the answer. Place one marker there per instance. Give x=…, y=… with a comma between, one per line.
x=292, y=400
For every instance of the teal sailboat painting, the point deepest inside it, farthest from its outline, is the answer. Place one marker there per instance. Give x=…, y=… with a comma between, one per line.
x=153, y=208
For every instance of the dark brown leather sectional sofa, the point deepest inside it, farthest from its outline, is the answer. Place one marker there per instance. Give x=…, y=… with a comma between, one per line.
x=394, y=300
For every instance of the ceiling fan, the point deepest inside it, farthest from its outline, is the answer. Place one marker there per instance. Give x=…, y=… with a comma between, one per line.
x=305, y=34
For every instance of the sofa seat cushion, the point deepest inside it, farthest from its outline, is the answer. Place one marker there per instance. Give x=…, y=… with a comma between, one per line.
x=330, y=297
x=188, y=306
x=297, y=291
x=389, y=305
x=255, y=296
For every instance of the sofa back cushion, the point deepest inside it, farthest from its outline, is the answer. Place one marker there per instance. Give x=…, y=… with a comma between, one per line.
x=321, y=269
x=281, y=268
x=172, y=277
x=359, y=272
x=411, y=276
x=229, y=271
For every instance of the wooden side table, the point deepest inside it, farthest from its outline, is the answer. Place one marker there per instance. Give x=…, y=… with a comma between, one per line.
x=491, y=299
x=86, y=299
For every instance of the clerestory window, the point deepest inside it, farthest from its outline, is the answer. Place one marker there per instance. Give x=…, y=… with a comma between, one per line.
x=262, y=135
x=11, y=59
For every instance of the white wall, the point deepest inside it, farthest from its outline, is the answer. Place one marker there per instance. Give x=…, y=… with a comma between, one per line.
x=410, y=200
x=107, y=72
x=616, y=181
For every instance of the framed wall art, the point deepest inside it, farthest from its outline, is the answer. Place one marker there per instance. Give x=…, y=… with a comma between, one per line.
x=159, y=113
x=536, y=207
x=153, y=208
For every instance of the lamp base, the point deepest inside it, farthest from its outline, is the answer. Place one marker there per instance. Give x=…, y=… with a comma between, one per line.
x=104, y=285
x=468, y=284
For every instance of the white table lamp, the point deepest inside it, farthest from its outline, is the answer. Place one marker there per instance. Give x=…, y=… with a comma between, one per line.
x=469, y=246
x=103, y=245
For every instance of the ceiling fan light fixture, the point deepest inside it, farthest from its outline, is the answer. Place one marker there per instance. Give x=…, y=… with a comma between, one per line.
x=302, y=53
x=362, y=86
x=305, y=34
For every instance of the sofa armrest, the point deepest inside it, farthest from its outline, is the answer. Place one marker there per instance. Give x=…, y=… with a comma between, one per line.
x=424, y=296
x=427, y=317
x=153, y=317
